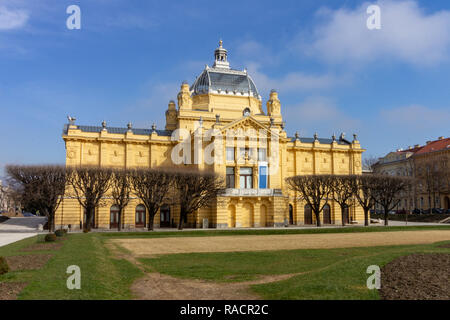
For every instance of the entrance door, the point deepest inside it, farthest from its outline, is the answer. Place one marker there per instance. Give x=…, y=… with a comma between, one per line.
x=140, y=216
x=291, y=214
x=165, y=216
x=308, y=214
x=326, y=214
x=345, y=217
x=114, y=217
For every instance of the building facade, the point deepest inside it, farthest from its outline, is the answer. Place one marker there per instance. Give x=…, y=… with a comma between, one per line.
x=429, y=165
x=218, y=124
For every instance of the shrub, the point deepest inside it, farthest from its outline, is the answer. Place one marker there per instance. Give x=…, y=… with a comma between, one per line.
x=50, y=237
x=4, y=268
x=59, y=233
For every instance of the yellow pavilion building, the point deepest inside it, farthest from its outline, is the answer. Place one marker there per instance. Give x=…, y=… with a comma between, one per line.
x=220, y=125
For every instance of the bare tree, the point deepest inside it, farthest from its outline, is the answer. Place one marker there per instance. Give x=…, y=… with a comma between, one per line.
x=369, y=163
x=387, y=191
x=152, y=187
x=194, y=190
x=120, y=191
x=315, y=190
x=40, y=187
x=89, y=185
x=342, y=192
x=363, y=189
x=430, y=178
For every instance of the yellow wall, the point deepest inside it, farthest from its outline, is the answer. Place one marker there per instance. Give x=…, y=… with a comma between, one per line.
x=257, y=210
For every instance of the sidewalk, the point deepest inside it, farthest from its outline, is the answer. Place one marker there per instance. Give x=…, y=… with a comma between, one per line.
x=15, y=229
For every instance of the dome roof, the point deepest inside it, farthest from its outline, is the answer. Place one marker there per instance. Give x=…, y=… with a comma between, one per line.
x=220, y=79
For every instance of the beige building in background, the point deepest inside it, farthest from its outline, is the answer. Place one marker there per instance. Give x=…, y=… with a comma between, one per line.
x=429, y=164
x=224, y=100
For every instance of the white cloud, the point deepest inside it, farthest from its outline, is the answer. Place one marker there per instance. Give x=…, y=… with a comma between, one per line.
x=321, y=115
x=12, y=19
x=151, y=107
x=416, y=117
x=257, y=56
x=293, y=81
x=407, y=34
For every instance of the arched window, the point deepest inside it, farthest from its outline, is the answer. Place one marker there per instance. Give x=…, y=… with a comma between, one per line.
x=291, y=214
x=308, y=214
x=114, y=217
x=140, y=216
x=326, y=214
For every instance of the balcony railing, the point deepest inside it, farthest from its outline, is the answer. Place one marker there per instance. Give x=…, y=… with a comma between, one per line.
x=231, y=192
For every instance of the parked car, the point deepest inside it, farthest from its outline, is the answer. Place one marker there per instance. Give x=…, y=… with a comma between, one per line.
x=437, y=210
x=28, y=214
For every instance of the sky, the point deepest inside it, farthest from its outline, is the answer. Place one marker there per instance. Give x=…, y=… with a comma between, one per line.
x=390, y=86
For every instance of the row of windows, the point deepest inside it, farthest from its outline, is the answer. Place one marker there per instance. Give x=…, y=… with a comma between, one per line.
x=246, y=152
x=246, y=177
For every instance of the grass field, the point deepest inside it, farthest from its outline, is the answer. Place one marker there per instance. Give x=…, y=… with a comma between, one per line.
x=326, y=273
x=102, y=276
x=321, y=273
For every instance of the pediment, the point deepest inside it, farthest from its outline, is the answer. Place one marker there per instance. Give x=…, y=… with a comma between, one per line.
x=246, y=123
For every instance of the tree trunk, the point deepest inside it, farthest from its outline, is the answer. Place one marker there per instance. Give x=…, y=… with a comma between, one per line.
x=180, y=223
x=51, y=224
x=343, y=215
x=317, y=219
x=151, y=217
x=119, y=225
x=366, y=217
x=386, y=216
x=89, y=216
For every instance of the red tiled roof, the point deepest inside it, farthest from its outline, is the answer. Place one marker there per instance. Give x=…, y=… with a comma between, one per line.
x=413, y=150
x=436, y=145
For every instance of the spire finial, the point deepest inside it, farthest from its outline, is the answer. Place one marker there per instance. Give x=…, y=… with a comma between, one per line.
x=220, y=57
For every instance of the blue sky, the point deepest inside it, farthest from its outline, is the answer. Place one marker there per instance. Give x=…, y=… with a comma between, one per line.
x=390, y=86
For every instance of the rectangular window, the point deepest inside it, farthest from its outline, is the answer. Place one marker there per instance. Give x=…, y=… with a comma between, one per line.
x=262, y=154
x=230, y=153
x=230, y=177
x=246, y=178
x=262, y=177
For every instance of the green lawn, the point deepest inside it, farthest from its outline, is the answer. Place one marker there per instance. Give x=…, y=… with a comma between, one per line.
x=102, y=276
x=328, y=273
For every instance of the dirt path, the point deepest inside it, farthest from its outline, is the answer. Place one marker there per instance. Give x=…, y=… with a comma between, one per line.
x=156, y=286
x=155, y=246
